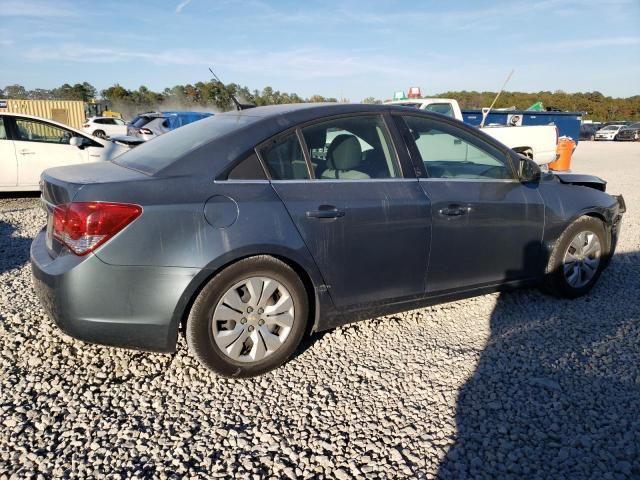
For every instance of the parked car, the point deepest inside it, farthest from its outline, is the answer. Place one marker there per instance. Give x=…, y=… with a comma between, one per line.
x=249, y=231
x=629, y=133
x=588, y=130
x=104, y=127
x=29, y=145
x=607, y=133
x=151, y=124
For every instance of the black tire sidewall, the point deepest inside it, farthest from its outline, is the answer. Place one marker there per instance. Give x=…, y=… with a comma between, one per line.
x=199, y=331
x=99, y=134
x=556, y=282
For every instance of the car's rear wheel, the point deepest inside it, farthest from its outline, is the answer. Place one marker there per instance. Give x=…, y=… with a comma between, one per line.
x=249, y=318
x=99, y=134
x=578, y=258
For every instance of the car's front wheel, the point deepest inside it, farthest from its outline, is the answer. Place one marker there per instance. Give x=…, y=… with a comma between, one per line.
x=578, y=258
x=249, y=318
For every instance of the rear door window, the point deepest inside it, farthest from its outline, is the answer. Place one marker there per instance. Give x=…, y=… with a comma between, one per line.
x=351, y=148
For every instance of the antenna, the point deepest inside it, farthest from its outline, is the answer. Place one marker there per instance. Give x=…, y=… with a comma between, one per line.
x=485, y=111
x=239, y=106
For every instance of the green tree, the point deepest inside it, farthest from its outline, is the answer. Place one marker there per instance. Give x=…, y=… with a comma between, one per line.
x=15, y=92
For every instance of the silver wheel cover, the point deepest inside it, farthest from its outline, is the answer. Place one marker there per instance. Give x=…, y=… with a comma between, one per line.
x=582, y=259
x=253, y=319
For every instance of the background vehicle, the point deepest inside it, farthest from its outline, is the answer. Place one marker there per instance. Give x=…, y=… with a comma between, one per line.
x=538, y=142
x=103, y=127
x=630, y=133
x=607, y=133
x=252, y=230
x=588, y=130
x=151, y=124
x=29, y=145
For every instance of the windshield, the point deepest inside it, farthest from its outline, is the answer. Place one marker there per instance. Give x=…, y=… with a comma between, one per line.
x=611, y=127
x=156, y=154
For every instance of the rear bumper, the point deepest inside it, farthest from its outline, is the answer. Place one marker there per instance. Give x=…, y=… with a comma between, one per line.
x=123, y=306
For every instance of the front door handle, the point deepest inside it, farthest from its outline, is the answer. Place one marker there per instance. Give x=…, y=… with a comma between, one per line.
x=454, y=211
x=326, y=211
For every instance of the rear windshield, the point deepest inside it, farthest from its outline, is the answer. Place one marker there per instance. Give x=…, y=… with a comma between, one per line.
x=162, y=151
x=141, y=121
x=441, y=108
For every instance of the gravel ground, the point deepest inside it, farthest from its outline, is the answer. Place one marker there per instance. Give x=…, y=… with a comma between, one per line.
x=511, y=385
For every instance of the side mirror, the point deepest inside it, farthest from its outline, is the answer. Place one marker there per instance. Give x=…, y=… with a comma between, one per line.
x=79, y=142
x=528, y=170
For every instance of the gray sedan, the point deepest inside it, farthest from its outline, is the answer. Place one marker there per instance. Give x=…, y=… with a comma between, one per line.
x=251, y=229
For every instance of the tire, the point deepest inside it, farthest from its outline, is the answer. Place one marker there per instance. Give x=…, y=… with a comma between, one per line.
x=584, y=271
x=99, y=134
x=233, y=341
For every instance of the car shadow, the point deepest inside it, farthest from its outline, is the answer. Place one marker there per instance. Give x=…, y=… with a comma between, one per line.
x=14, y=251
x=556, y=392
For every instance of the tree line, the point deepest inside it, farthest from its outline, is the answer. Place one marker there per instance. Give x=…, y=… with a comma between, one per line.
x=215, y=95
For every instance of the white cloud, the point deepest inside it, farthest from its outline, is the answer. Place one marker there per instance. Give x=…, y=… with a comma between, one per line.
x=181, y=5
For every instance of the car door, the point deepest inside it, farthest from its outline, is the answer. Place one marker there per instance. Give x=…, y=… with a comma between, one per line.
x=366, y=226
x=8, y=163
x=40, y=145
x=487, y=225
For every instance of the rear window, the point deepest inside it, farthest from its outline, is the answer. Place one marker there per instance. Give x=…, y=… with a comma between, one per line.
x=141, y=121
x=162, y=151
x=441, y=108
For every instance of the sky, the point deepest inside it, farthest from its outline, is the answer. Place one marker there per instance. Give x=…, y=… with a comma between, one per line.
x=347, y=49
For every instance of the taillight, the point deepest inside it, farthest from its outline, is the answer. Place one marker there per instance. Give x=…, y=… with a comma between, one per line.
x=84, y=226
x=557, y=135
x=146, y=131
x=86, y=126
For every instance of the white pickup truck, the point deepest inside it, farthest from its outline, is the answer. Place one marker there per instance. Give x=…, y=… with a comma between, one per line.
x=538, y=142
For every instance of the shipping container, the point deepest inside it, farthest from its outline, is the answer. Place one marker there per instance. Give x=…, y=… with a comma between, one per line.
x=69, y=112
x=568, y=123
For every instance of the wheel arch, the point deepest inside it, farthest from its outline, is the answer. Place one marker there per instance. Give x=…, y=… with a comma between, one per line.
x=310, y=279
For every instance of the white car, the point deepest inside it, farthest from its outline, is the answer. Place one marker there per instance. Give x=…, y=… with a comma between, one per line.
x=29, y=145
x=608, y=133
x=103, y=127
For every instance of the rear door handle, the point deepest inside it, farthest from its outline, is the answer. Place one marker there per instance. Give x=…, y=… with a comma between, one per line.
x=454, y=210
x=24, y=151
x=326, y=211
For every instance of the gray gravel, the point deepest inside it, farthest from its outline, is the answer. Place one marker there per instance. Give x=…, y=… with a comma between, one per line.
x=513, y=385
